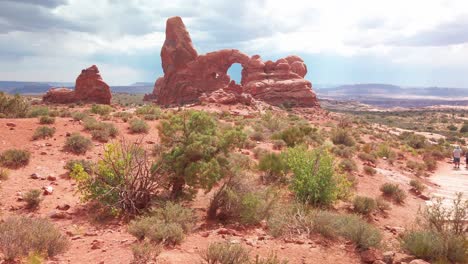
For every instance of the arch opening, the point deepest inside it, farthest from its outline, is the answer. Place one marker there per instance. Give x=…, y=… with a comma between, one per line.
x=235, y=72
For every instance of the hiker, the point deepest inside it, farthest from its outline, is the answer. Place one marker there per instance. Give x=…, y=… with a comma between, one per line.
x=457, y=152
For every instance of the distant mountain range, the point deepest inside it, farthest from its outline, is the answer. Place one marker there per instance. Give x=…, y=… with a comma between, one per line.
x=371, y=90
x=386, y=95
x=13, y=87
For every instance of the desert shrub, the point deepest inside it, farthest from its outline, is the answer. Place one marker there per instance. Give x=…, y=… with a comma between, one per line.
x=249, y=144
x=100, y=135
x=43, y=132
x=138, y=126
x=77, y=144
x=149, y=112
x=430, y=163
x=382, y=205
x=340, y=136
x=260, y=152
x=125, y=116
x=385, y=151
x=100, y=131
x=294, y=135
x=20, y=236
x=413, y=140
x=354, y=228
x=46, y=120
x=123, y=180
x=167, y=225
x=88, y=166
x=4, y=174
x=348, y=165
x=273, y=122
x=225, y=253
x=33, y=198
x=464, y=128
x=364, y=205
x=298, y=220
x=145, y=252
x=77, y=116
x=452, y=127
x=278, y=144
x=37, y=111
x=257, y=136
x=15, y=158
x=272, y=258
x=315, y=180
x=343, y=151
x=195, y=150
x=393, y=191
x=273, y=166
x=13, y=106
x=369, y=170
x=102, y=110
x=367, y=157
x=90, y=123
x=417, y=185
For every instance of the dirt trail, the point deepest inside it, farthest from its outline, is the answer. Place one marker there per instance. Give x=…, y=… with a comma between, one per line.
x=450, y=181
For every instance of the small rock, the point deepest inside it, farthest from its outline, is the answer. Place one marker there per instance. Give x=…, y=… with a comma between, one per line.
x=388, y=257
x=76, y=238
x=379, y=262
x=10, y=124
x=51, y=178
x=424, y=197
x=205, y=234
x=43, y=153
x=58, y=215
x=97, y=244
x=371, y=255
x=63, y=207
x=48, y=190
x=90, y=234
x=402, y=257
x=48, y=145
x=35, y=176
x=67, y=134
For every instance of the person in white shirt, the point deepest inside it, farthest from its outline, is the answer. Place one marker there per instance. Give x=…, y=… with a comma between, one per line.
x=457, y=152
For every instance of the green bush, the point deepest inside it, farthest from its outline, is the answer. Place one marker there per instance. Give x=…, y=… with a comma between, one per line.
x=294, y=135
x=123, y=181
x=100, y=135
x=33, y=198
x=145, y=252
x=88, y=166
x=417, y=185
x=385, y=151
x=20, y=236
x=315, y=180
x=382, y=205
x=46, y=120
x=434, y=246
x=167, y=225
x=150, y=112
x=364, y=205
x=37, y=111
x=340, y=136
x=300, y=220
x=369, y=170
x=43, y=132
x=138, y=126
x=77, y=116
x=15, y=158
x=393, y=191
x=343, y=151
x=13, y=106
x=195, y=150
x=77, y=144
x=348, y=165
x=367, y=157
x=452, y=127
x=278, y=144
x=102, y=110
x=413, y=140
x=257, y=136
x=274, y=167
x=225, y=253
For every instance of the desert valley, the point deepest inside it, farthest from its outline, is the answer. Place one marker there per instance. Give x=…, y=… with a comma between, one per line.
x=202, y=168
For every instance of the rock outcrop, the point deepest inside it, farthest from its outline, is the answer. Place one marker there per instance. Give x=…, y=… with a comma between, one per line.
x=89, y=87
x=190, y=78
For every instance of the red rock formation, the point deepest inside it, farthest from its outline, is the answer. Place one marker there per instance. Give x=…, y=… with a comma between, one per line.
x=89, y=87
x=189, y=77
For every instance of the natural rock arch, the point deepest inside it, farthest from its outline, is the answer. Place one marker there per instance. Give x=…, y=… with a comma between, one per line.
x=189, y=76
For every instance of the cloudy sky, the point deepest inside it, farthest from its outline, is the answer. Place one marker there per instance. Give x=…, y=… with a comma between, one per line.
x=410, y=43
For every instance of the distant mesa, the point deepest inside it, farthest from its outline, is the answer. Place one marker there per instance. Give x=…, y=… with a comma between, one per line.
x=89, y=87
x=191, y=78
